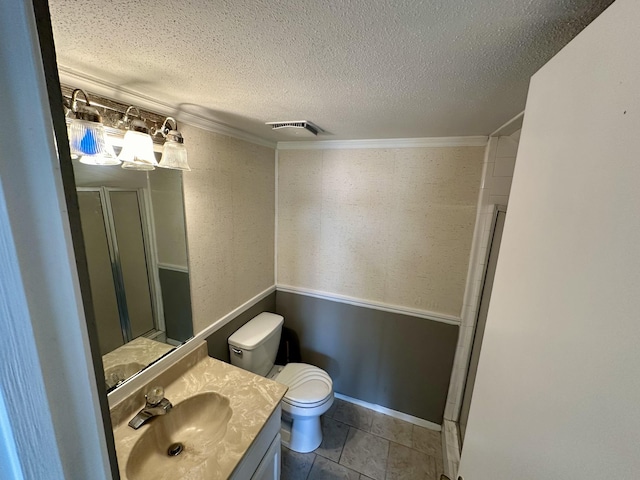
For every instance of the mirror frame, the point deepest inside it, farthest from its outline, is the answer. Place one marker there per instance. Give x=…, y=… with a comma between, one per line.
x=112, y=112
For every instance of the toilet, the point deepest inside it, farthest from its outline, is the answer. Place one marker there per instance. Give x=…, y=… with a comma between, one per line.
x=254, y=347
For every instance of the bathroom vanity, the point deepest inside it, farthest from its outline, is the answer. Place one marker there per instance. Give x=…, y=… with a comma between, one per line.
x=224, y=424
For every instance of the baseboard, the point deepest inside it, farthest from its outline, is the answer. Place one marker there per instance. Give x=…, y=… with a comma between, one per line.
x=392, y=413
x=450, y=448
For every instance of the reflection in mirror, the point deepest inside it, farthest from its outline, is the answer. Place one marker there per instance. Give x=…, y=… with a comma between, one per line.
x=135, y=241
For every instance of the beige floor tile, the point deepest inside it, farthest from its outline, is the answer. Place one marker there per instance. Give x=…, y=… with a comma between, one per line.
x=354, y=415
x=332, y=409
x=334, y=434
x=392, y=429
x=324, y=469
x=427, y=441
x=439, y=466
x=365, y=453
x=408, y=464
x=295, y=466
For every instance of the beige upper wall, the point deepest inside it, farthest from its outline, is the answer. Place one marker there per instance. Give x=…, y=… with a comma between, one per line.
x=230, y=209
x=386, y=225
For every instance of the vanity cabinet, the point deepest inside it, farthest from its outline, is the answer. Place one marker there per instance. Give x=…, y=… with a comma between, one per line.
x=239, y=411
x=262, y=460
x=269, y=468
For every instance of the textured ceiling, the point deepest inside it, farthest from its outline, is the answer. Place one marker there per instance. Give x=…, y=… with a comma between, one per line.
x=357, y=68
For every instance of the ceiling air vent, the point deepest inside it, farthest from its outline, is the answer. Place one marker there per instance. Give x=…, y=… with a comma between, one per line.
x=297, y=127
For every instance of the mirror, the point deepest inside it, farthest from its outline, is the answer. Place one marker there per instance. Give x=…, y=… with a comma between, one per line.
x=133, y=226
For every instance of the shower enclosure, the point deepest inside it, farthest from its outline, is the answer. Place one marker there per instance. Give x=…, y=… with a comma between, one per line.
x=481, y=318
x=116, y=225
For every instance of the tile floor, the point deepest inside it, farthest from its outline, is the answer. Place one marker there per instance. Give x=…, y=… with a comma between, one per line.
x=360, y=444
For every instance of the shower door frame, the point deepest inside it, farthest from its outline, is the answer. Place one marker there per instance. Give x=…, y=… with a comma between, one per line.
x=151, y=259
x=490, y=248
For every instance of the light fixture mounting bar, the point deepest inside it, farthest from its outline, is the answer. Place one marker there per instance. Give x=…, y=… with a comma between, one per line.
x=112, y=112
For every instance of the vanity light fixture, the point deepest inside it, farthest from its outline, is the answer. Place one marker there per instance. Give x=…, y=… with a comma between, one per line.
x=137, y=149
x=95, y=128
x=174, y=153
x=87, y=136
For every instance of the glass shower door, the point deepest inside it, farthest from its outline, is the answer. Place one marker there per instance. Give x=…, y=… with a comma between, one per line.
x=101, y=275
x=117, y=247
x=481, y=319
x=131, y=255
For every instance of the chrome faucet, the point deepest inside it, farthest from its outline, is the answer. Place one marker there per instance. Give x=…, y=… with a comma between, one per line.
x=156, y=405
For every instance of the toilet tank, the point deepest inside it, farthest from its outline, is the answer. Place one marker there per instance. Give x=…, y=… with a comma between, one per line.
x=254, y=346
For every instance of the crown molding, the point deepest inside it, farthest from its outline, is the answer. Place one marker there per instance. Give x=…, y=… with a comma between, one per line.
x=510, y=127
x=108, y=90
x=476, y=141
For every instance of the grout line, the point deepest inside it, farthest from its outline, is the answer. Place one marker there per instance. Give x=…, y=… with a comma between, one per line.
x=386, y=465
x=312, y=463
x=370, y=425
x=344, y=445
x=432, y=458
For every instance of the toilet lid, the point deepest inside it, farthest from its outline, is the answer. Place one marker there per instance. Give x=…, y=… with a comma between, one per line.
x=308, y=385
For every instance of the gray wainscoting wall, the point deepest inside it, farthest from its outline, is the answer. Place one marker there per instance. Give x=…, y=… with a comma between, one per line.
x=217, y=341
x=397, y=361
x=176, y=303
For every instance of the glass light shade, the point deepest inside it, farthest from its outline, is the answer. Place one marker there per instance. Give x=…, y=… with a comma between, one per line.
x=174, y=155
x=137, y=166
x=88, y=141
x=74, y=155
x=137, y=149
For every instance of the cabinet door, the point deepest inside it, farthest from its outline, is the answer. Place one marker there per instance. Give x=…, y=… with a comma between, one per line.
x=269, y=468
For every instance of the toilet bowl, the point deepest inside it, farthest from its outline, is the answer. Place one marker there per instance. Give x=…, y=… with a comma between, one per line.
x=310, y=395
x=254, y=347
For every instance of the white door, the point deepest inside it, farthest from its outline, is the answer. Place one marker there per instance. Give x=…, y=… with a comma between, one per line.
x=557, y=393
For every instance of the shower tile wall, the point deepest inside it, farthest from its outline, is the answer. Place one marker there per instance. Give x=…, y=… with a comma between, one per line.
x=498, y=170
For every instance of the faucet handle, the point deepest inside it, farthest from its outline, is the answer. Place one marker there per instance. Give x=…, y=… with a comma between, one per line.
x=154, y=396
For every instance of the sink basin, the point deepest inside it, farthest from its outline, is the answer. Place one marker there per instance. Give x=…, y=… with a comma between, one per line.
x=119, y=373
x=182, y=443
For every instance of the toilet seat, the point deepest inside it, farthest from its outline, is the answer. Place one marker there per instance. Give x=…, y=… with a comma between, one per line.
x=309, y=386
